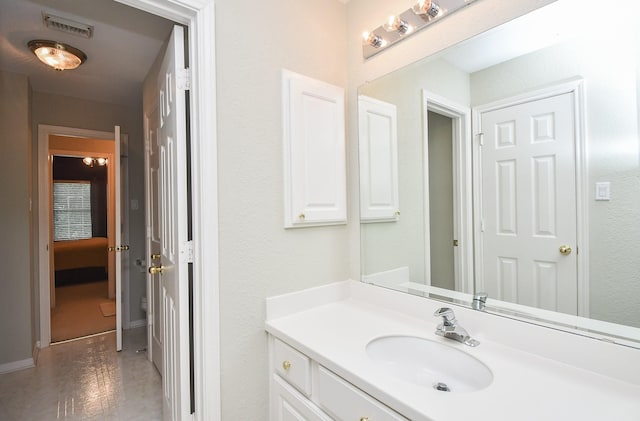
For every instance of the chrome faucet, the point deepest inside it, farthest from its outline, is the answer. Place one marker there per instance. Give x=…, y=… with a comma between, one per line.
x=479, y=301
x=450, y=329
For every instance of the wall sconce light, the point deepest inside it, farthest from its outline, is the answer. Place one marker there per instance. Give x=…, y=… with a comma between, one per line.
x=90, y=162
x=399, y=27
x=56, y=54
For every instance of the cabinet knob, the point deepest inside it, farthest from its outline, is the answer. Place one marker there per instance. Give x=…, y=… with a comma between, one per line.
x=301, y=216
x=397, y=213
x=286, y=365
x=364, y=419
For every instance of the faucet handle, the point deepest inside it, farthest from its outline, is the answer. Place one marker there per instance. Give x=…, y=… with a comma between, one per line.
x=448, y=317
x=479, y=301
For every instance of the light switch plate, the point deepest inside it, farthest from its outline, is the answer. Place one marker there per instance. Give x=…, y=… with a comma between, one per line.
x=603, y=191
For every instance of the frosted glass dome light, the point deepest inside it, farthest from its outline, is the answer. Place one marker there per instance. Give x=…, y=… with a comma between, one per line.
x=57, y=55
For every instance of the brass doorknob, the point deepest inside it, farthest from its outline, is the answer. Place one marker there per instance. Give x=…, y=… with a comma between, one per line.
x=155, y=256
x=154, y=270
x=124, y=248
x=111, y=248
x=565, y=250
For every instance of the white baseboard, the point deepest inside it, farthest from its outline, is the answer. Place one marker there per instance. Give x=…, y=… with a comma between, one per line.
x=16, y=365
x=137, y=323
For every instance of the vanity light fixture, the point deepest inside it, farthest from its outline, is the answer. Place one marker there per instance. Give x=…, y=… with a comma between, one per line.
x=57, y=55
x=376, y=41
x=401, y=26
x=90, y=161
x=396, y=24
x=426, y=7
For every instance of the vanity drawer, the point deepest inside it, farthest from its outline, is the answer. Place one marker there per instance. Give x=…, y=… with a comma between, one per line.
x=292, y=366
x=344, y=401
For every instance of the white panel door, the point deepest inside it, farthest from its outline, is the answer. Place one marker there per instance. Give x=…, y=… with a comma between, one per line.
x=118, y=240
x=152, y=183
x=378, y=138
x=173, y=231
x=314, y=152
x=528, y=204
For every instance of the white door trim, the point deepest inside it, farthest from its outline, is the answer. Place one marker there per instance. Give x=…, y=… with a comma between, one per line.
x=576, y=87
x=198, y=16
x=44, y=263
x=462, y=196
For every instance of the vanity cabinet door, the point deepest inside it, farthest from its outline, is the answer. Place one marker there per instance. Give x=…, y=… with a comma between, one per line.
x=343, y=401
x=290, y=405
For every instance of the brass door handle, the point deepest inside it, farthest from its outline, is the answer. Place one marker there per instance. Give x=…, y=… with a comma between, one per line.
x=155, y=256
x=565, y=250
x=111, y=248
x=155, y=270
x=124, y=248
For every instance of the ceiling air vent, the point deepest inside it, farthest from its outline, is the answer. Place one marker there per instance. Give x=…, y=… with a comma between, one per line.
x=67, y=25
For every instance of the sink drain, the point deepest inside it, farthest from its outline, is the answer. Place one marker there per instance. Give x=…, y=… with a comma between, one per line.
x=441, y=387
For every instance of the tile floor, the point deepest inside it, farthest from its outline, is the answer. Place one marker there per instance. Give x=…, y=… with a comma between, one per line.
x=85, y=380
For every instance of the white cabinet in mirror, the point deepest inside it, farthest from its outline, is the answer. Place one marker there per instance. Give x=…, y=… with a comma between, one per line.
x=508, y=202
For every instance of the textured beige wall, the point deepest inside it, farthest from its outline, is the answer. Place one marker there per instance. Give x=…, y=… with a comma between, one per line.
x=16, y=323
x=258, y=257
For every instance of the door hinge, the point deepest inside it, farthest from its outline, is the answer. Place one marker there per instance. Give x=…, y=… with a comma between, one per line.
x=481, y=138
x=183, y=80
x=187, y=251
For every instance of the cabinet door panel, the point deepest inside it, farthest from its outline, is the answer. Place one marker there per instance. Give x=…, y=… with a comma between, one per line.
x=314, y=152
x=290, y=405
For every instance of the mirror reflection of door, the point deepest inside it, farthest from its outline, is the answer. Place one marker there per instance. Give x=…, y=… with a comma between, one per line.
x=528, y=212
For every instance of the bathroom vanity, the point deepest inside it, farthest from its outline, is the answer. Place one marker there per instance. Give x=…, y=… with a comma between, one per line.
x=347, y=351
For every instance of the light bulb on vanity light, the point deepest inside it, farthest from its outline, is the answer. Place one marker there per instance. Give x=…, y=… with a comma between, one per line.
x=373, y=40
x=396, y=24
x=426, y=8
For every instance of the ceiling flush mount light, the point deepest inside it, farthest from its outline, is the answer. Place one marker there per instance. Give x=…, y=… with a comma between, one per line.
x=57, y=55
x=398, y=27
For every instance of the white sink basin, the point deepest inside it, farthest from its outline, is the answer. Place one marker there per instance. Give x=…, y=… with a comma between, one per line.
x=429, y=364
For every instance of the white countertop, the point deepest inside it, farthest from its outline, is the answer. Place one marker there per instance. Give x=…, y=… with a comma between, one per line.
x=335, y=330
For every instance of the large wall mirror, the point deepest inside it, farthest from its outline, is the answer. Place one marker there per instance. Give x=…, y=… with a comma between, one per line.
x=510, y=164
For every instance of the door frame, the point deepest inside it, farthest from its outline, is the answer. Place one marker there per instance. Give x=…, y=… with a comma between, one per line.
x=44, y=219
x=460, y=116
x=199, y=17
x=575, y=87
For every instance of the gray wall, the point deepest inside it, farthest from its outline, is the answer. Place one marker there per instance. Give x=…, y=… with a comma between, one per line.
x=16, y=278
x=64, y=111
x=441, y=200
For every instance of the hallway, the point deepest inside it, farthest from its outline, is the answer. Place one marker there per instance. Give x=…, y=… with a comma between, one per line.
x=86, y=379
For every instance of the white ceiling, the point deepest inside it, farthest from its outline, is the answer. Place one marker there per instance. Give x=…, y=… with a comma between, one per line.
x=125, y=44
